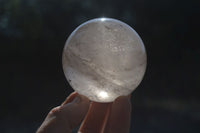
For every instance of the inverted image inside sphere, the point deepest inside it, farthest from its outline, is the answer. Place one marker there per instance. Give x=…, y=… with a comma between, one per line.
x=104, y=58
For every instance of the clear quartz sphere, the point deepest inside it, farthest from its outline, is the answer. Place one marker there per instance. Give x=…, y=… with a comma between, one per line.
x=103, y=59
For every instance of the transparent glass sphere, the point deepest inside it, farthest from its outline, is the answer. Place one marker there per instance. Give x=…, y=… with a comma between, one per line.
x=103, y=59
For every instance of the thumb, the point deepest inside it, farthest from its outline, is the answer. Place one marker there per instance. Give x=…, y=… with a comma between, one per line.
x=64, y=118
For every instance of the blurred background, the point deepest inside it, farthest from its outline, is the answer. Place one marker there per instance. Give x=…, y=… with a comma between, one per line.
x=33, y=34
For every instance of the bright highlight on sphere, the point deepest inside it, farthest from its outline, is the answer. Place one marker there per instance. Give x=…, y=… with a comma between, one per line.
x=103, y=59
x=103, y=94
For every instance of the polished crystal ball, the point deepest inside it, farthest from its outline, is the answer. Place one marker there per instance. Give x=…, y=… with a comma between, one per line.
x=103, y=59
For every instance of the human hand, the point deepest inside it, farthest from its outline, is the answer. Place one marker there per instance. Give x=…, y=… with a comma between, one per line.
x=98, y=117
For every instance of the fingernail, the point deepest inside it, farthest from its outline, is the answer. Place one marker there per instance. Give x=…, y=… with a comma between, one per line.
x=77, y=99
x=70, y=98
x=123, y=98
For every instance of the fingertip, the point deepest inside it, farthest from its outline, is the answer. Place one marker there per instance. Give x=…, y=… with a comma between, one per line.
x=129, y=96
x=121, y=100
x=71, y=113
x=81, y=98
x=67, y=116
x=70, y=98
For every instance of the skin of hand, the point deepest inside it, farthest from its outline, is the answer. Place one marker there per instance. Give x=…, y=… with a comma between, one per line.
x=95, y=117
